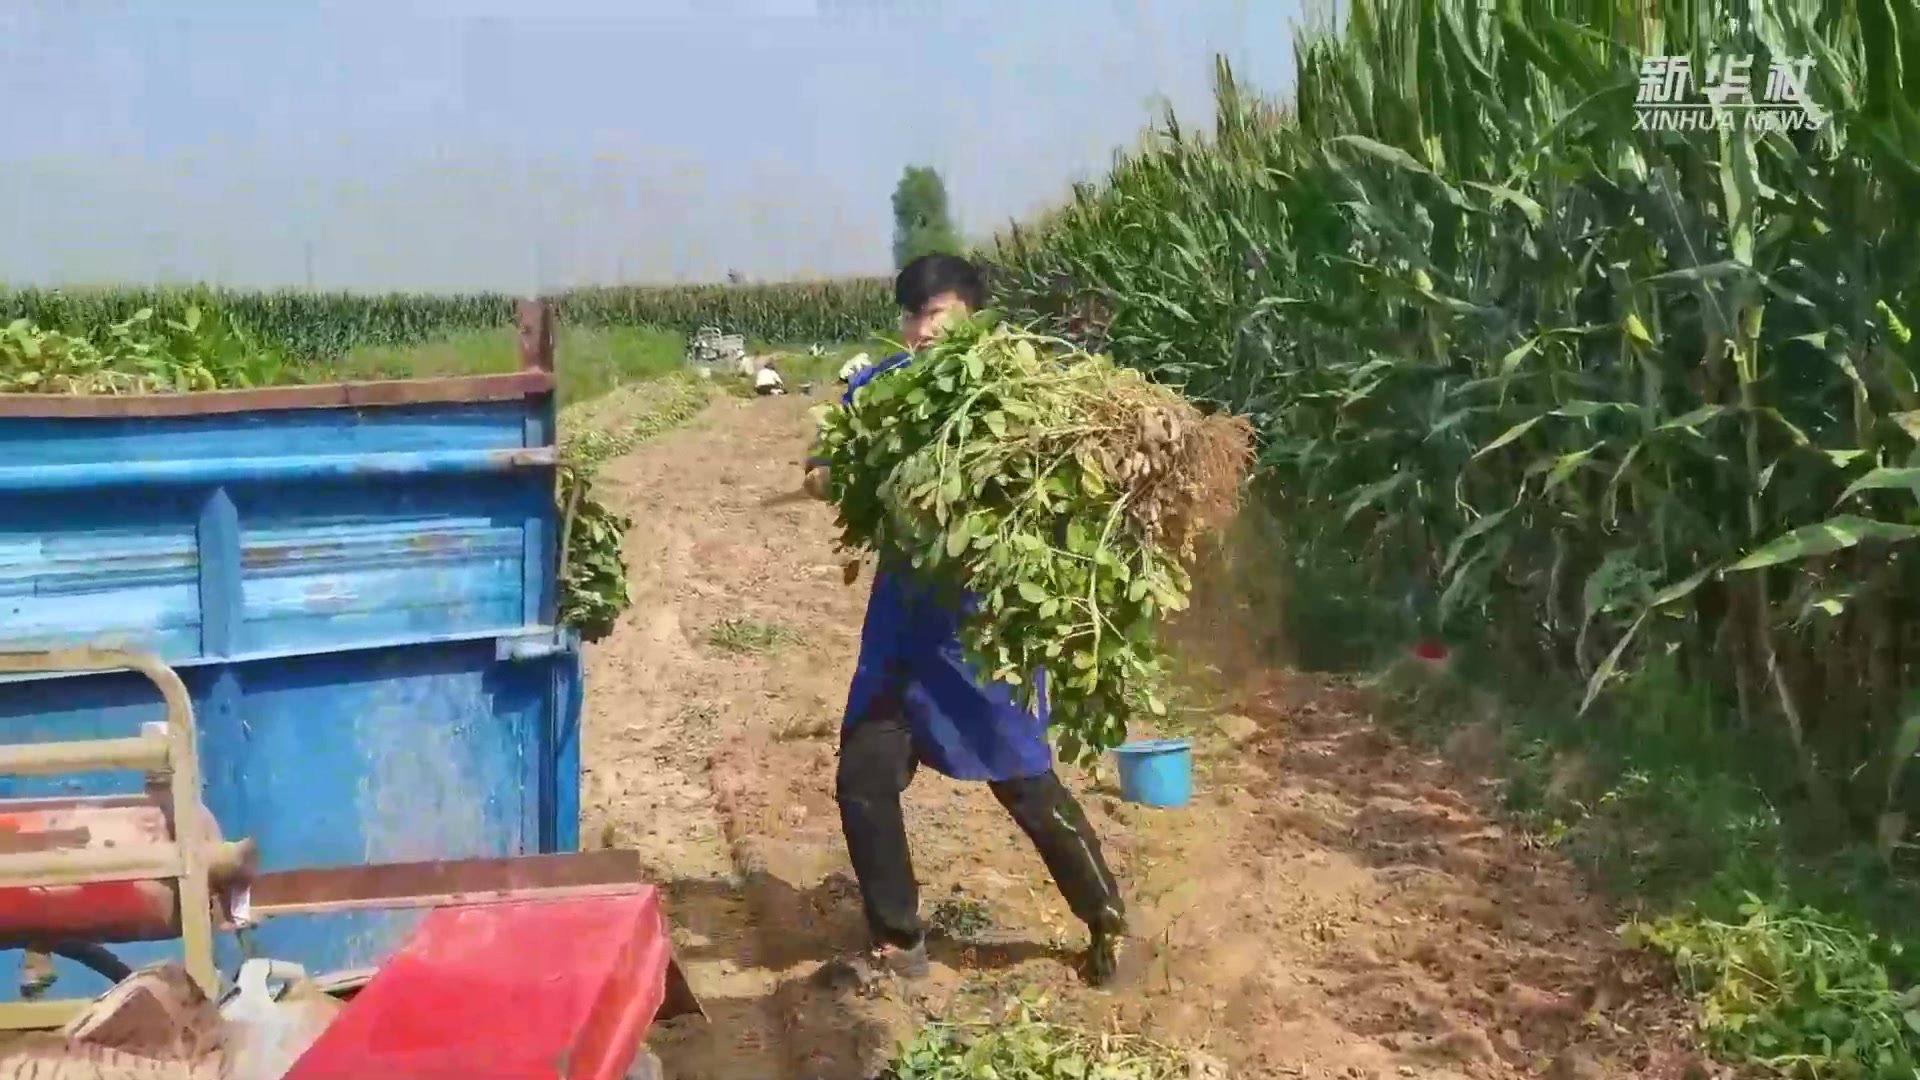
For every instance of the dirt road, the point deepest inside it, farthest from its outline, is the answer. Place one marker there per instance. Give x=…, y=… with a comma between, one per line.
x=1332, y=905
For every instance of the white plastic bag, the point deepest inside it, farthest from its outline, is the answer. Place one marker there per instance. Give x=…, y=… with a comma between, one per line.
x=854, y=366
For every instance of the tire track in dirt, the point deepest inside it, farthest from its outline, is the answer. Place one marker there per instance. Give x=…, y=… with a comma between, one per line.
x=1332, y=905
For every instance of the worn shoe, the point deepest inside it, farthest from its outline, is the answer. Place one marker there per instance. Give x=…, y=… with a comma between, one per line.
x=869, y=967
x=1106, y=957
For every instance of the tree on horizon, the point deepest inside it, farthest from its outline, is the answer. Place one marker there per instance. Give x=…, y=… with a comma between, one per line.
x=922, y=221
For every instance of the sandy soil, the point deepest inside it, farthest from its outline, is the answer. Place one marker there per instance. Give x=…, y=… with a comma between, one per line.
x=1331, y=905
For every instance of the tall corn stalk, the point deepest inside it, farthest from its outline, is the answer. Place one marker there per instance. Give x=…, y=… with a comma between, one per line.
x=1598, y=393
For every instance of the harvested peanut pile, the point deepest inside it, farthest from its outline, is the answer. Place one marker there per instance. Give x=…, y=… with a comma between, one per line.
x=1063, y=491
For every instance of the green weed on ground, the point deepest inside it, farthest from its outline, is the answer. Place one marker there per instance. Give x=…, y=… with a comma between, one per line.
x=1792, y=990
x=1022, y=1043
x=605, y=427
x=960, y=917
x=743, y=635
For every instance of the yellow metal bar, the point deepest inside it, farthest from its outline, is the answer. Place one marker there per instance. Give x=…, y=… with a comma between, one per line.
x=139, y=753
x=180, y=766
x=196, y=895
x=78, y=866
x=39, y=1015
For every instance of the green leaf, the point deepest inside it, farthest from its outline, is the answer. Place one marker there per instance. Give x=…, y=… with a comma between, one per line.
x=1565, y=465
x=1906, y=743
x=1611, y=663
x=1882, y=479
x=1392, y=155
x=1508, y=436
x=1479, y=528
x=1513, y=359
x=1533, y=211
x=1695, y=274
x=1837, y=533
x=1695, y=418
x=1374, y=493
x=960, y=536
x=1033, y=594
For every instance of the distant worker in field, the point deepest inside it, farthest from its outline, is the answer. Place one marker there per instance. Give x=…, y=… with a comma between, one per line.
x=915, y=698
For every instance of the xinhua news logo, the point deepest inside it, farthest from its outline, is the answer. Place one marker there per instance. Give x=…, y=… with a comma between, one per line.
x=1722, y=98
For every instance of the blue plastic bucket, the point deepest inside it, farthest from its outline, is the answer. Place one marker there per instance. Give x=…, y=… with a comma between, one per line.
x=1156, y=772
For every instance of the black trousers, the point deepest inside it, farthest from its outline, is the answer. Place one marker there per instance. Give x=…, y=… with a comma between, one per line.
x=878, y=762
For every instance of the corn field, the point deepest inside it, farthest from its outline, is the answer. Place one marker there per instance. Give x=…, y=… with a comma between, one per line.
x=1593, y=394
x=322, y=326
x=794, y=312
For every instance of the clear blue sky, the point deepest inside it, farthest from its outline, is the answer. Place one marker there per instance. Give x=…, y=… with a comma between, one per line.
x=443, y=145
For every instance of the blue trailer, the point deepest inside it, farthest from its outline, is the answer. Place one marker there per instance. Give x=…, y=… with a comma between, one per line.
x=356, y=584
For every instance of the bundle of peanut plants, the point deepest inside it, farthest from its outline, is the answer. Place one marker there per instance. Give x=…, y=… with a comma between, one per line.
x=1064, y=492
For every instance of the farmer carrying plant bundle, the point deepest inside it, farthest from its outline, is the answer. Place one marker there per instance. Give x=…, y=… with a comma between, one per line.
x=914, y=698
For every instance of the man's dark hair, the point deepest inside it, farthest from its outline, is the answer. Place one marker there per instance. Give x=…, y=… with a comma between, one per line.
x=930, y=275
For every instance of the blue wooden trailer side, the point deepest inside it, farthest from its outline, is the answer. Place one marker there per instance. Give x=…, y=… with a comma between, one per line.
x=358, y=584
